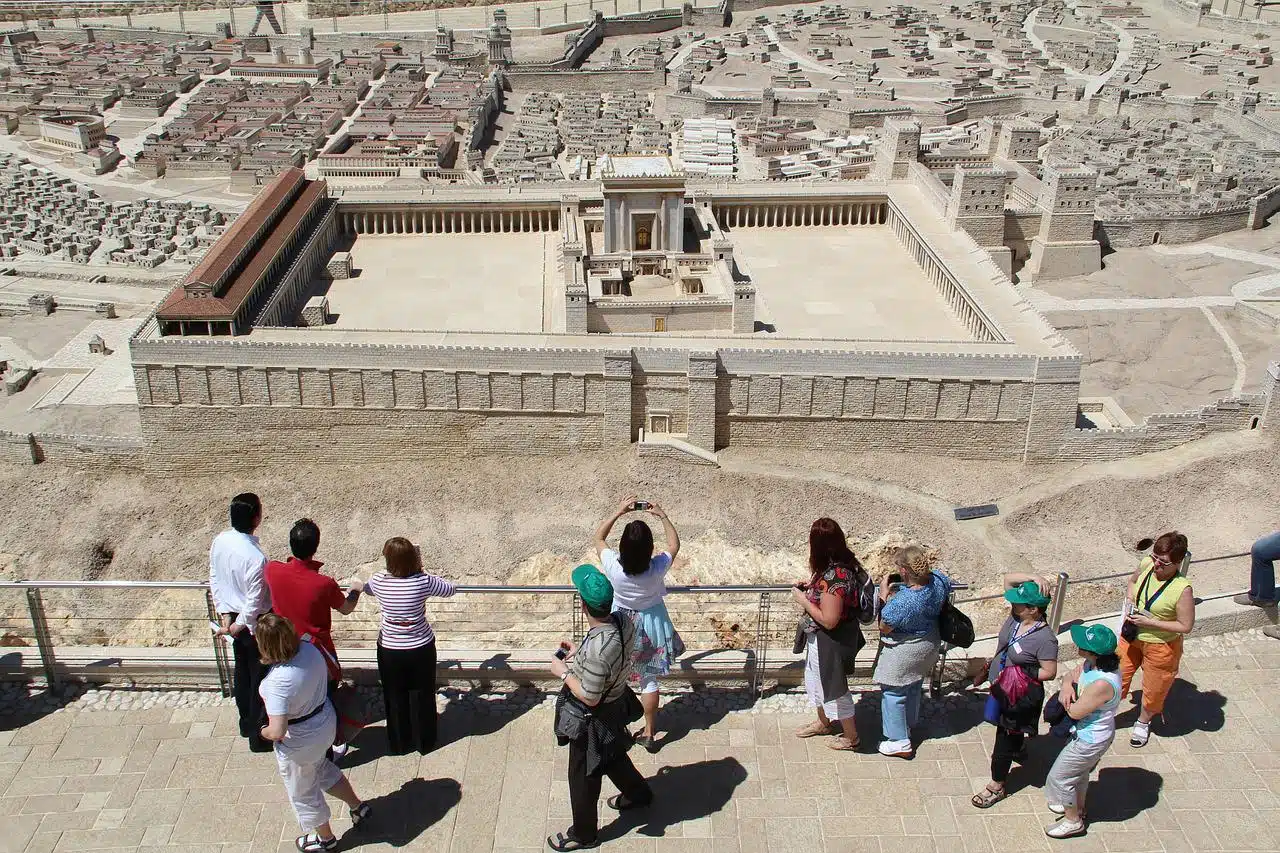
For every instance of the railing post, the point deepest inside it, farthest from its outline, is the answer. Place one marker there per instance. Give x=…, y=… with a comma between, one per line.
x=41, y=630
x=579, y=628
x=762, y=645
x=220, y=656
x=1059, y=602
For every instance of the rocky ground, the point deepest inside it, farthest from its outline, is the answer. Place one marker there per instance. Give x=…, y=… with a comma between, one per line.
x=528, y=521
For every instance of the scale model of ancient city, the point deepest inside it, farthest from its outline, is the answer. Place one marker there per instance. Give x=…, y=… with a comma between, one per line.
x=337, y=231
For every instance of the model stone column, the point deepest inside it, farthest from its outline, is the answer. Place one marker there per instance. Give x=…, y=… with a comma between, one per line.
x=703, y=367
x=1271, y=412
x=617, y=398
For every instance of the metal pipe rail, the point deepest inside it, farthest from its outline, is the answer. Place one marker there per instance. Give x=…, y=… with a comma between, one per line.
x=760, y=641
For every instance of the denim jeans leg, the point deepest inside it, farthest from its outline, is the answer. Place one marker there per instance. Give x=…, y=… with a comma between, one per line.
x=913, y=705
x=893, y=713
x=1264, y=553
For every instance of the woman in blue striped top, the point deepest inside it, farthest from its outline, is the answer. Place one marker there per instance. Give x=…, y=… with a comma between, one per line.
x=407, y=646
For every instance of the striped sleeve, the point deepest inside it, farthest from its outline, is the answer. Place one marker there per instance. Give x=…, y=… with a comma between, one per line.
x=439, y=587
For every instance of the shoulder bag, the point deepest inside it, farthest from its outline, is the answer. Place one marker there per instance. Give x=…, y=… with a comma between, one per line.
x=956, y=628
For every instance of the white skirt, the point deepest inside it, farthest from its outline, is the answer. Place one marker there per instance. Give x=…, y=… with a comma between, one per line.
x=840, y=709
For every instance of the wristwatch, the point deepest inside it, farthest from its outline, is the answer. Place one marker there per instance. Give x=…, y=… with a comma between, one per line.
x=565, y=676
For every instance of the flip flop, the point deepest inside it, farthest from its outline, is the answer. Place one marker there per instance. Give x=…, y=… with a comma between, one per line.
x=560, y=841
x=842, y=744
x=617, y=803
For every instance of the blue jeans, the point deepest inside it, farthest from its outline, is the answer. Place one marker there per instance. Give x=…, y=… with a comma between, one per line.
x=1265, y=552
x=899, y=710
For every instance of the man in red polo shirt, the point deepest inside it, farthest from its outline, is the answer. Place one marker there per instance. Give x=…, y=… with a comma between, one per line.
x=305, y=597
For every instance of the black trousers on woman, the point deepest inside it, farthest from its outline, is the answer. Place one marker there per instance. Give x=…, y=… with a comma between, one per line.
x=248, y=672
x=409, y=694
x=1008, y=745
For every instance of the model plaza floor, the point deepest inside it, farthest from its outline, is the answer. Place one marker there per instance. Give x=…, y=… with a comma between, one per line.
x=451, y=282
x=856, y=282
x=166, y=780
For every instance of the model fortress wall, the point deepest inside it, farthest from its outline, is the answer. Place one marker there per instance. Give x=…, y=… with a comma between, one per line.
x=1002, y=384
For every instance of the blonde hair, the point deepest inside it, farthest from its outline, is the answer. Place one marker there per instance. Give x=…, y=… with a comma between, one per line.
x=277, y=639
x=914, y=562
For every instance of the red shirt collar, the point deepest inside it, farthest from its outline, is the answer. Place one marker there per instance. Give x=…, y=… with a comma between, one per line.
x=313, y=565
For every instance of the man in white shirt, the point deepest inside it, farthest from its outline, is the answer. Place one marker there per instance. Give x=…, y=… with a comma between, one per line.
x=240, y=595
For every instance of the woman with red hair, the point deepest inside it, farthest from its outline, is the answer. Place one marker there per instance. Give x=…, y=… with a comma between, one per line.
x=828, y=632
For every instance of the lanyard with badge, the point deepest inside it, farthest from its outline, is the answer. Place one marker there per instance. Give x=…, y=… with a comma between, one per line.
x=1014, y=641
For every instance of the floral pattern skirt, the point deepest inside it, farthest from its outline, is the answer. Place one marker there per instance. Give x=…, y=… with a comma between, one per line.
x=657, y=642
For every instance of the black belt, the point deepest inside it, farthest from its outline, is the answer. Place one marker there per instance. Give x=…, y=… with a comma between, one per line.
x=295, y=721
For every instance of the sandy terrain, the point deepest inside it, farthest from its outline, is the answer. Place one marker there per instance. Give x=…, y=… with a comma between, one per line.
x=1150, y=275
x=745, y=523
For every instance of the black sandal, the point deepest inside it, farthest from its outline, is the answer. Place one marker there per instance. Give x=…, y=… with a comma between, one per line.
x=359, y=814
x=312, y=843
x=560, y=841
x=618, y=804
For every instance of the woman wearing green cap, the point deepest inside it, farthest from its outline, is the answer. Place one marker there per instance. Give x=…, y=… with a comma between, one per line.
x=1091, y=695
x=1025, y=641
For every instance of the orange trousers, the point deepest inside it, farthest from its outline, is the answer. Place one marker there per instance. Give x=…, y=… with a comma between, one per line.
x=1159, y=664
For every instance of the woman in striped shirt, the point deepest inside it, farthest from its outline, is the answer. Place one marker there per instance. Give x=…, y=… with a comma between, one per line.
x=407, y=646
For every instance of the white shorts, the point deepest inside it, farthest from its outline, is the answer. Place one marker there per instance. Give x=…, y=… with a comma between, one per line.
x=648, y=684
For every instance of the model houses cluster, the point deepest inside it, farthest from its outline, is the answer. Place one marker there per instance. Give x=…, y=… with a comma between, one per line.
x=49, y=215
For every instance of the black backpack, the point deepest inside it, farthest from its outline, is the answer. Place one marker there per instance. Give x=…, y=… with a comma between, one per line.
x=956, y=628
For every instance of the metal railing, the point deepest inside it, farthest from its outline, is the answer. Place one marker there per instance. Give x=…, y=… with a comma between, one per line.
x=710, y=618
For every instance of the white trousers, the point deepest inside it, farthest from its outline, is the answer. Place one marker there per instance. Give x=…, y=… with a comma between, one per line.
x=307, y=774
x=839, y=709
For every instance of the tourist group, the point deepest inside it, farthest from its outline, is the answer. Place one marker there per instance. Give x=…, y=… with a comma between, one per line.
x=278, y=618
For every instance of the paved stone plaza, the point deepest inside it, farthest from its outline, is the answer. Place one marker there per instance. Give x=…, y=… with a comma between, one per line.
x=858, y=283
x=165, y=778
x=452, y=282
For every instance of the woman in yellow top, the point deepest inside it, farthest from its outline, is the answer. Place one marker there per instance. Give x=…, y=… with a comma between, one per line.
x=1154, y=642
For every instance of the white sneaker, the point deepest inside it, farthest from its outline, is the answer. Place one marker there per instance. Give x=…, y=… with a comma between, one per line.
x=1140, y=735
x=1057, y=809
x=896, y=748
x=339, y=751
x=1065, y=829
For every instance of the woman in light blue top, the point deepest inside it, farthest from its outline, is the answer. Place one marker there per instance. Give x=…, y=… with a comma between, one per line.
x=1091, y=695
x=909, y=644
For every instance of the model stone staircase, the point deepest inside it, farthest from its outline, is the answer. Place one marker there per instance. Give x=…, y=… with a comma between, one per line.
x=674, y=446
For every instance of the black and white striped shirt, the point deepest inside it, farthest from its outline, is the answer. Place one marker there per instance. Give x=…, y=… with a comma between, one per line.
x=403, y=602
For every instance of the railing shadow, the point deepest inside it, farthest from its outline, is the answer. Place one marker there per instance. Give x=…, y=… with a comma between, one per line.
x=27, y=705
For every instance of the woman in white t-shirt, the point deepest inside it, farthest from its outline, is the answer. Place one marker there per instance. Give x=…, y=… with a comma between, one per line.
x=639, y=586
x=301, y=722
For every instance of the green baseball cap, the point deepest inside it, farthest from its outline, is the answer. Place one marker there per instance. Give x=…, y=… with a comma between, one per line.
x=1098, y=639
x=593, y=586
x=1027, y=593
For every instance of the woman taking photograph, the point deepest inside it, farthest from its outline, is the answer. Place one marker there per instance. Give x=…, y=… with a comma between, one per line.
x=301, y=723
x=910, y=643
x=829, y=633
x=1090, y=695
x=406, y=646
x=1025, y=641
x=639, y=587
x=1165, y=613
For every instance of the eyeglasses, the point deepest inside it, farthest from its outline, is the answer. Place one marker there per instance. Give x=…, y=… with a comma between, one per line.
x=1161, y=560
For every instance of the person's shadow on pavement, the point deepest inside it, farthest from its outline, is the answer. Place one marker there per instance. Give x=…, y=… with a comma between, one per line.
x=685, y=792
x=400, y=817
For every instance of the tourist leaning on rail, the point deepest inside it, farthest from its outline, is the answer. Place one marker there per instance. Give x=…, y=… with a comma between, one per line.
x=593, y=710
x=829, y=633
x=406, y=645
x=1162, y=612
x=307, y=598
x=240, y=596
x=1028, y=648
x=1090, y=696
x=301, y=723
x=1262, y=575
x=638, y=576
x=913, y=597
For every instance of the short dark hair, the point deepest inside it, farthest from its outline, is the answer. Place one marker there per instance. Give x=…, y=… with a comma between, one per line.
x=1107, y=663
x=635, y=548
x=246, y=511
x=304, y=539
x=596, y=613
x=1173, y=543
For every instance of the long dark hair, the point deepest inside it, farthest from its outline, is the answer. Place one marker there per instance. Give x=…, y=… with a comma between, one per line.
x=635, y=548
x=827, y=545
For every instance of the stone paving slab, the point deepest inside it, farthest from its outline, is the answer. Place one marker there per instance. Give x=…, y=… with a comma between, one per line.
x=169, y=779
